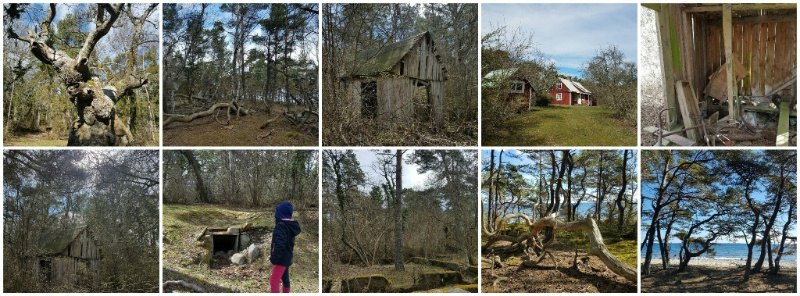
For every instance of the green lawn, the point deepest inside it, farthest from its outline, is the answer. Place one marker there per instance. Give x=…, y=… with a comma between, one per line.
x=563, y=126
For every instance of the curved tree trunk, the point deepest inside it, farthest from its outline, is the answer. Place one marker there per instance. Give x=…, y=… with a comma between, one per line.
x=199, y=185
x=589, y=226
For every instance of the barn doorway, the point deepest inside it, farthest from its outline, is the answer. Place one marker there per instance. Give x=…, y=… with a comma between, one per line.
x=223, y=243
x=422, y=101
x=369, y=99
x=46, y=270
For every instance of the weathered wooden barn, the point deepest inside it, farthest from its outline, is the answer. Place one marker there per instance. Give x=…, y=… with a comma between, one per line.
x=519, y=91
x=729, y=72
x=68, y=258
x=386, y=80
x=567, y=92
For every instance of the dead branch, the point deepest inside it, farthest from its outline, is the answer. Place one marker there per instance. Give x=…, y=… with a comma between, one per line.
x=170, y=286
x=170, y=118
x=263, y=126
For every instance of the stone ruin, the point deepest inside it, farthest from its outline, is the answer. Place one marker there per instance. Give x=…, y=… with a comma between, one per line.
x=231, y=243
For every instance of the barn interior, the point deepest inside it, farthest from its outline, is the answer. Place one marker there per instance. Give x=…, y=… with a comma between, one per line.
x=750, y=101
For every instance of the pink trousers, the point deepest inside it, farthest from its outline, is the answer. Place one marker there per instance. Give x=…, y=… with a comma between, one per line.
x=280, y=274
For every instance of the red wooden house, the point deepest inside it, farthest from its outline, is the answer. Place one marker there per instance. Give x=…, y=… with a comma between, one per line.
x=567, y=93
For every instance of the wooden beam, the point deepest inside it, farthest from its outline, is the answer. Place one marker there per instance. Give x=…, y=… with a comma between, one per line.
x=729, y=79
x=783, y=125
x=690, y=110
x=739, y=7
x=766, y=19
x=675, y=139
x=667, y=69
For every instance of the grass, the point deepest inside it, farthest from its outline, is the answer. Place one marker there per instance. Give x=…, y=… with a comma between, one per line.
x=563, y=126
x=184, y=256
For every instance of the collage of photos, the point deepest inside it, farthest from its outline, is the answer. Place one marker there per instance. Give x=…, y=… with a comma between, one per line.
x=407, y=147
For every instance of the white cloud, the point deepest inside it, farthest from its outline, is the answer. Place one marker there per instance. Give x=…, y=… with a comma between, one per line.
x=569, y=33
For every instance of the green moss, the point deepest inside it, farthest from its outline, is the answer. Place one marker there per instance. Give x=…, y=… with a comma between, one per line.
x=625, y=250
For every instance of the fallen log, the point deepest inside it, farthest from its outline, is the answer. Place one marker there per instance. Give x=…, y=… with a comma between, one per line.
x=170, y=118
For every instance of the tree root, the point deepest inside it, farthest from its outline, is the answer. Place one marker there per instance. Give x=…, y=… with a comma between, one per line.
x=533, y=247
x=170, y=118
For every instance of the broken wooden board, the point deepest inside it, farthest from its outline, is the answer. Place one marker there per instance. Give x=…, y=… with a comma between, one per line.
x=675, y=139
x=716, y=87
x=690, y=109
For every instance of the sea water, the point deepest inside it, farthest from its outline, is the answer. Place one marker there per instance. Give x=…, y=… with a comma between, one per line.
x=728, y=251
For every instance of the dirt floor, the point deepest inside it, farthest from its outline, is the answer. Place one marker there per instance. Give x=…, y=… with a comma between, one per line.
x=719, y=280
x=184, y=257
x=591, y=278
x=246, y=131
x=34, y=139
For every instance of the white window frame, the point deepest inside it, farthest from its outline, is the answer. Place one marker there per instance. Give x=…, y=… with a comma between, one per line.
x=559, y=85
x=517, y=84
x=558, y=96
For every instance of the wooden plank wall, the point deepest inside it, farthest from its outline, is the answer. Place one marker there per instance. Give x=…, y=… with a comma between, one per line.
x=421, y=62
x=435, y=96
x=396, y=98
x=768, y=50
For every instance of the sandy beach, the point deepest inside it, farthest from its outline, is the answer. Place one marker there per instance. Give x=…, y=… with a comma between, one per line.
x=724, y=262
x=718, y=276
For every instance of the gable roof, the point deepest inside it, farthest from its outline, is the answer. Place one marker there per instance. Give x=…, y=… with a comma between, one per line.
x=574, y=86
x=54, y=242
x=581, y=87
x=375, y=61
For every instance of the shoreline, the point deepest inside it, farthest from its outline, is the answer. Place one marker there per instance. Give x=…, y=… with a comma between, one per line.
x=722, y=262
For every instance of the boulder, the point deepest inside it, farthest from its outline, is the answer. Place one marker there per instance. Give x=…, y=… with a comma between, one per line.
x=244, y=241
x=253, y=252
x=365, y=284
x=238, y=259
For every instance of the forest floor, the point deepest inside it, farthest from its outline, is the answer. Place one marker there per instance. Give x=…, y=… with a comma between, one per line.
x=184, y=257
x=563, y=126
x=246, y=131
x=43, y=139
x=591, y=278
x=714, y=279
x=399, y=281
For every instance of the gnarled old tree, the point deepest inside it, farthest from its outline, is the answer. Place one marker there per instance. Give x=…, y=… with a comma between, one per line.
x=94, y=97
x=544, y=188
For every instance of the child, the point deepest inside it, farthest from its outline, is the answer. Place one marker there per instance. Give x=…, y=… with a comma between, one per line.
x=282, y=246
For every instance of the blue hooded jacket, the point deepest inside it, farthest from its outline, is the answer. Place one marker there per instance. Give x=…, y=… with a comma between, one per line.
x=283, y=235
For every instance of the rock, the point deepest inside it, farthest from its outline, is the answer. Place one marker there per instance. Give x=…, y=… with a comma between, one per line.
x=244, y=241
x=238, y=259
x=365, y=284
x=253, y=252
x=220, y=254
x=230, y=253
x=431, y=280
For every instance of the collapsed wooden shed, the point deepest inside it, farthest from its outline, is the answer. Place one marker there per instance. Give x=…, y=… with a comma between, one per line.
x=386, y=80
x=749, y=101
x=68, y=258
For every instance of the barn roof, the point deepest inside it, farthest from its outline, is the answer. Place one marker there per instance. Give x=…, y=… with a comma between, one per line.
x=574, y=86
x=56, y=241
x=495, y=77
x=373, y=62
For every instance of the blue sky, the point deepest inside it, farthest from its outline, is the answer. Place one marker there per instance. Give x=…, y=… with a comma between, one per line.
x=568, y=34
